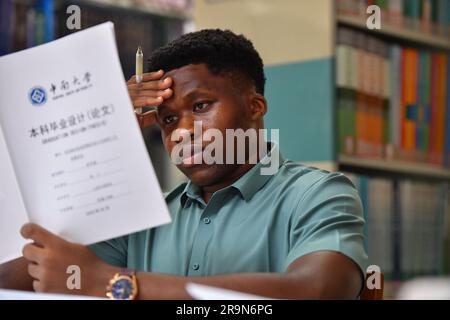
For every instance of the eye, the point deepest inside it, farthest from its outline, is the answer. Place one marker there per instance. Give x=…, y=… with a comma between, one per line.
x=200, y=106
x=169, y=119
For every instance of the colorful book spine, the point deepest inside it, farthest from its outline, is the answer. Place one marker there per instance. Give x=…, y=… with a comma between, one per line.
x=442, y=101
x=447, y=122
x=395, y=12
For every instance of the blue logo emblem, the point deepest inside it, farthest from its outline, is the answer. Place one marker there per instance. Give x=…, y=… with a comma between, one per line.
x=38, y=96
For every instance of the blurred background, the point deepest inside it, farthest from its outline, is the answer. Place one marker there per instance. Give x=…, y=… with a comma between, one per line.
x=374, y=104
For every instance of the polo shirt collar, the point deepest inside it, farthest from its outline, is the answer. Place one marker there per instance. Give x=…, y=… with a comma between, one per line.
x=252, y=181
x=247, y=185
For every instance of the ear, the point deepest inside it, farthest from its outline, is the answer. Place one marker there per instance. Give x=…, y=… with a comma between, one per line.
x=257, y=106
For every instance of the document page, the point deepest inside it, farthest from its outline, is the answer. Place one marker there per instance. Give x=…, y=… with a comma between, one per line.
x=74, y=141
x=12, y=210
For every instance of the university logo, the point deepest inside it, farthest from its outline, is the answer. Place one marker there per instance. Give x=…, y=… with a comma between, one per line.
x=37, y=96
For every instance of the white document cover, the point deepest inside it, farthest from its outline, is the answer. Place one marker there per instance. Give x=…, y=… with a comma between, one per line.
x=74, y=144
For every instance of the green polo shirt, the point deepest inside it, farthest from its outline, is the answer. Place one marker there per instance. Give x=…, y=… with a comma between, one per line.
x=261, y=223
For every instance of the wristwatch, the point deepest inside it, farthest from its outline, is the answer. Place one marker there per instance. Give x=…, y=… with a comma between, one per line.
x=123, y=286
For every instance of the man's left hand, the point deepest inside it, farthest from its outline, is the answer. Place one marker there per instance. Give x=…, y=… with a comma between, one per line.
x=49, y=258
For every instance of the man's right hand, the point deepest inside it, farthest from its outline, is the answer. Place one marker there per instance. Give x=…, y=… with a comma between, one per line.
x=152, y=91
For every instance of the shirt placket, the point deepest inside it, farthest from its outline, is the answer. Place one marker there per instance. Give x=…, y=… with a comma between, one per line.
x=202, y=237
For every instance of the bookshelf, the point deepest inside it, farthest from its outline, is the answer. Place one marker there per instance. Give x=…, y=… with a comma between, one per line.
x=145, y=22
x=415, y=79
x=405, y=191
x=397, y=33
x=395, y=167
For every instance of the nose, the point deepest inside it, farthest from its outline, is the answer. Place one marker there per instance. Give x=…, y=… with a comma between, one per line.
x=185, y=128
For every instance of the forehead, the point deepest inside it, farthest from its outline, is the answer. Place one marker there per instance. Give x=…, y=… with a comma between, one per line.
x=198, y=76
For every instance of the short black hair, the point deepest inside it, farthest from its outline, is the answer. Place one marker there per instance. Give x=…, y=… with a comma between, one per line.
x=221, y=50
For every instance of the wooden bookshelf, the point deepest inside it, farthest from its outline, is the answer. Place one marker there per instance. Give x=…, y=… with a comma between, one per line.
x=396, y=166
x=399, y=33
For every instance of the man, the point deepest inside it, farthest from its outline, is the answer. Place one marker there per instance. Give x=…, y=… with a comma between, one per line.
x=294, y=234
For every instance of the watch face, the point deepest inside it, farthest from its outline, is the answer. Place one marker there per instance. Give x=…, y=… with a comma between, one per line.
x=122, y=289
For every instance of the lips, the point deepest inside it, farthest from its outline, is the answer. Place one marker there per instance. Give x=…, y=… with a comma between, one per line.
x=193, y=157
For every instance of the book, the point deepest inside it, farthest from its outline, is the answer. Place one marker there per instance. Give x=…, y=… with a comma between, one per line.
x=407, y=225
x=447, y=122
x=72, y=156
x=395, y=97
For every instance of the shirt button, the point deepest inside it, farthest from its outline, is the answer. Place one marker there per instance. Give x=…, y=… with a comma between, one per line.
x=207, y=221
x=195, y=266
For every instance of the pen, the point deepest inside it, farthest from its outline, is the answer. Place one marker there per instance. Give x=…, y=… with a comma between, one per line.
x=139, y=70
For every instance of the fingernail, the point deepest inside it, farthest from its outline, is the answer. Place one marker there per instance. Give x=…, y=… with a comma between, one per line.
x=25, y=230
x=167, y=80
